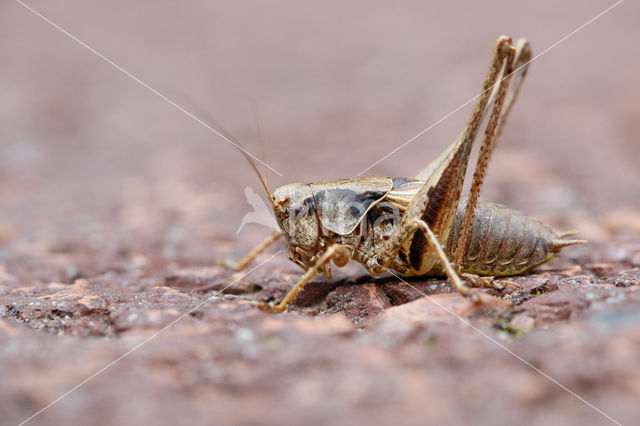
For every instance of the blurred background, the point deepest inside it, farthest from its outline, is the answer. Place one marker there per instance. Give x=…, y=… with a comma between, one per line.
x=334, y=87
x=104, y=181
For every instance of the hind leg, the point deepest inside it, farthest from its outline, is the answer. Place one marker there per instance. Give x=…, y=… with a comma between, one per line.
x=487, y=281
x=499, y=112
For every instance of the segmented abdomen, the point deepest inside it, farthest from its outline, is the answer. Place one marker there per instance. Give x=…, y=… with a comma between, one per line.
x=502, y=241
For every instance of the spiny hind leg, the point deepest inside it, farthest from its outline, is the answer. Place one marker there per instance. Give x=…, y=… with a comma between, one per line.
x=439, y=196
x=487, y=282
x=446, y=176
x=508, y=52
x=521, y=61
x=340, y=256
x=484, y=101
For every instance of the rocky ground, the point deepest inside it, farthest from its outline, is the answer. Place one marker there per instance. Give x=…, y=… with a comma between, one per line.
x=117, y=210
x=349, y=350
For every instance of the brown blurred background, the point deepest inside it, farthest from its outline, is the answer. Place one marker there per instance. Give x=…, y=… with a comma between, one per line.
x=335, y=87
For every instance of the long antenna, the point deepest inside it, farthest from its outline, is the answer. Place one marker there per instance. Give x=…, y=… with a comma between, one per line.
x=265, y=173
x=264, y=185
x=238, y=146
x=251, y=162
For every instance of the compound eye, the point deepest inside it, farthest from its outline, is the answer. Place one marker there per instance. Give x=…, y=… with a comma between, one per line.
x=297, y=211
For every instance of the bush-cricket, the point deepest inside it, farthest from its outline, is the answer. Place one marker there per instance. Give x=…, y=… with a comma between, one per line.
x=420, y=226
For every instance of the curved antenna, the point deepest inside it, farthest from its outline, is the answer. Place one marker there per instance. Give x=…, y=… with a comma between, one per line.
x=261, y=140
x=262, y=181
x=252, y=163
x=224, y=132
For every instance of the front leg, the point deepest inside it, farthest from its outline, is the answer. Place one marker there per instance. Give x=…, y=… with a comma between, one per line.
x=237, y=267
x=340, y=256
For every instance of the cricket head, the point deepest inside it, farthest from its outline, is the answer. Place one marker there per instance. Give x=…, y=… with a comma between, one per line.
x=295, y=210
